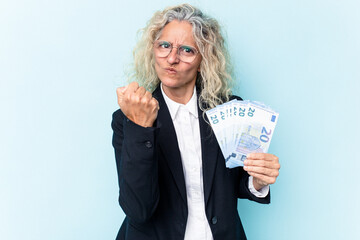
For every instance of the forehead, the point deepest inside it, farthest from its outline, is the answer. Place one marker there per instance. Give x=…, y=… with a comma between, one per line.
x=178, y=32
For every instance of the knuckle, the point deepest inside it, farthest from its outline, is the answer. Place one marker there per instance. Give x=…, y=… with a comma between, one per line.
x=147, y=95
x=135, y=98
x=144, y=101
x=135, y=84
x=118, y=91
x=142, y=90
x=127, y=98
x=154, y=102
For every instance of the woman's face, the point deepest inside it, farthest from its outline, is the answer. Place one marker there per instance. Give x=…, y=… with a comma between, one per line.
x=173, y=73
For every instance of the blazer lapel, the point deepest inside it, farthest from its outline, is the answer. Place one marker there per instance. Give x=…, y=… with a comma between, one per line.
x=210, y=149
x=168, y=143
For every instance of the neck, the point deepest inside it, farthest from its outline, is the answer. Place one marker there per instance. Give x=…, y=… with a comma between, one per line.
x=180, y=95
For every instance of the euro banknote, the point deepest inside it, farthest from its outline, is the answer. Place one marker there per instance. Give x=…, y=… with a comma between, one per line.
x=242, y=127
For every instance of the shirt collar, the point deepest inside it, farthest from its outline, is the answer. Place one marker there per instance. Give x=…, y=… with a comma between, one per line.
x=173, y=106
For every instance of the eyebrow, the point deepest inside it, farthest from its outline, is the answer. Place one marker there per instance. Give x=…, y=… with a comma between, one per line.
x=182, y=44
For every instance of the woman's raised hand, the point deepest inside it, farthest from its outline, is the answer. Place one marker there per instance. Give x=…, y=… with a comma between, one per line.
x=137, y=104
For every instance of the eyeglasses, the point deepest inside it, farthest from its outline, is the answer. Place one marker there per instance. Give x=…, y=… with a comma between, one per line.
x=186, y=53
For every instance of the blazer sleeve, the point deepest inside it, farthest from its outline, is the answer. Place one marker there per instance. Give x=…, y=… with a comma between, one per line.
x=244, y=191
x=137, y=167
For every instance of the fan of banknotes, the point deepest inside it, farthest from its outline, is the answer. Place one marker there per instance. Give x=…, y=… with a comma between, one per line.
x=242, y=127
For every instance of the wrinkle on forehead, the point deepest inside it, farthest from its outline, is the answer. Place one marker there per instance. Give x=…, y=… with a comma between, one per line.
x=178, y=33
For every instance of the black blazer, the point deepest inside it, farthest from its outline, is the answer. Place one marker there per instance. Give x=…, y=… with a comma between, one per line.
x=152, y=186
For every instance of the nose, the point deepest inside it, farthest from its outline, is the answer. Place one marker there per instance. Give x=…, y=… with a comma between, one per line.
x=173, y=56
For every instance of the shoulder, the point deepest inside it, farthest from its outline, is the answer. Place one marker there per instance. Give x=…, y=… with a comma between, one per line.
x=118, y=114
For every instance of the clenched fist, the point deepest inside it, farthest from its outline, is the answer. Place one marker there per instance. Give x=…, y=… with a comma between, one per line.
x=137, y=104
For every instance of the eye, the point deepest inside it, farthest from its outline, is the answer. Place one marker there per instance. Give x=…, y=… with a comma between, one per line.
x=163, y=44
x=187, y=50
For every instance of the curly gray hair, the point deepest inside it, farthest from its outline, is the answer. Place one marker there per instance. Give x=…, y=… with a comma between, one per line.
x=215, y=76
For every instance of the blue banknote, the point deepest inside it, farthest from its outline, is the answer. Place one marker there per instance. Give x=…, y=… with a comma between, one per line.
x=242, y=127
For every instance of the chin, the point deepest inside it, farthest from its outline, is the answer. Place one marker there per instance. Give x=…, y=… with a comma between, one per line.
x=170, y=83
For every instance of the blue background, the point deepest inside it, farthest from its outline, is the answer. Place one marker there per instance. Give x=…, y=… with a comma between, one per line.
x=61, y=61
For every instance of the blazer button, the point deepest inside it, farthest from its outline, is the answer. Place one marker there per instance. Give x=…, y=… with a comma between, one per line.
x=148, y=144
x=214, y=220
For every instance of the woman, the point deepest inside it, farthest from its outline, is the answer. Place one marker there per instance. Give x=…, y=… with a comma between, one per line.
x=172, y=175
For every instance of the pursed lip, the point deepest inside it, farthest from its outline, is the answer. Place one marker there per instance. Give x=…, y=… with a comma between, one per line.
x=170, y=70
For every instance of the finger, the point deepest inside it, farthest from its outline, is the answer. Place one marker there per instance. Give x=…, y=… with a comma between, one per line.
x=154, y=103
x=140, y=91
x=123, y=89
x=146, y=98
x=262, y=156
x=262, y=163
x=120, y=94
x=134, y=98
x=120, y=91
x=263, y=171
x=266, y=179
x=137, y=96
x=132, y=87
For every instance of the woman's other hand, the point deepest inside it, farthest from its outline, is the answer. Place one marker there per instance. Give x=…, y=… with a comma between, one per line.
x=264, y=167
x=137, y=104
